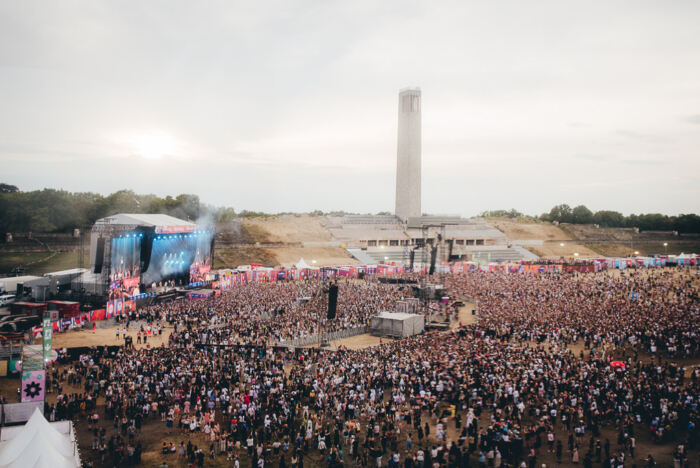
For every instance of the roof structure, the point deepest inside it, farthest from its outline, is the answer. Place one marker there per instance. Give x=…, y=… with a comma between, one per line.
x=72, y=271
x=38, y=444
x=396, y=315
x=141, y=219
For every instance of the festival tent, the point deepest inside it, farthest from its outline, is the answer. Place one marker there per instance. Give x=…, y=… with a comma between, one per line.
x=399, y=324
x=38, y=444
x=301, y=264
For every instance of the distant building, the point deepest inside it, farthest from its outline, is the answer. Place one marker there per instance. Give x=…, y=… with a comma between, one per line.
x=409, y=236
x=408, y=155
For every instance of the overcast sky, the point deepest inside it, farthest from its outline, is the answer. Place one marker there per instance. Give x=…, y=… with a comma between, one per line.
x=292, y=105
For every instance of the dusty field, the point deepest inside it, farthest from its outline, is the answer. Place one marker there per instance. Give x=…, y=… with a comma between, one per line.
x=324, y=256
x=291, y=228
x=230, y=257
x=105, y=337
x=555, y=249
x=528, y=231
x=465, y=316
x=551, y=235
x=355, y=342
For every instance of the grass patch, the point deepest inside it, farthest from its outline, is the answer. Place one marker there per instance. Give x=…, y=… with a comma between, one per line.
x=231, y=257
x=612, y=249
x=242, y=233
x=253, y=233
x=38, y=263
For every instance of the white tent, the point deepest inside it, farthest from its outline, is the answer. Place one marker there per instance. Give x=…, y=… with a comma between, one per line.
x=397, y=324
x=301, y=264
x=38, y=445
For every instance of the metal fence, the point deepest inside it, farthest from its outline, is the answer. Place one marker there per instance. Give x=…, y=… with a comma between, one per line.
x=329, y=336
x=11, y=351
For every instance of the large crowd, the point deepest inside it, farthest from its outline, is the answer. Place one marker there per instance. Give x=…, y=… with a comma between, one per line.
x=655, y=309
x=532, y=380
x=267, y=313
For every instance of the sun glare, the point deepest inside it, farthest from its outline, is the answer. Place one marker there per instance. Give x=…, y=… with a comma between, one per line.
x=153, y=145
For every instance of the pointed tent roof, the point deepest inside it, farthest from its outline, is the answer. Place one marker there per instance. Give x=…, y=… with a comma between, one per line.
x=38, y=445
x=302, y=264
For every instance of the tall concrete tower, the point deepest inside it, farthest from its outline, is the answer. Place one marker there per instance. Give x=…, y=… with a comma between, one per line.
x=408, y=154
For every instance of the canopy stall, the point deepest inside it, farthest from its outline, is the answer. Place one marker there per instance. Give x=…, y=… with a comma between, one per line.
x=39, y=444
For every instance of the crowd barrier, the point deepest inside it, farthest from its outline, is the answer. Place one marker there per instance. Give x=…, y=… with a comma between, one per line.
x=328, y=336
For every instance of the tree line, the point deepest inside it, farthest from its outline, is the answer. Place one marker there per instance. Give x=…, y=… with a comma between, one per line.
x=683, y=223
x=51, y=210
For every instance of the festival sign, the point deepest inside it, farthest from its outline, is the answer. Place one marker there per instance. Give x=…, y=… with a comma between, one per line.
x=46, y=338
x=33, y=385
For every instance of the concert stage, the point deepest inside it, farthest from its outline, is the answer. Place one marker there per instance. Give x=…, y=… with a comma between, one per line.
x=133, y=254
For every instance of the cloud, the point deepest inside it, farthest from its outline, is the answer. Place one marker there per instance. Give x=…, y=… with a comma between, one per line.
x=644, y=162
x=300, y=98
x=594, y=157
x=640, y=136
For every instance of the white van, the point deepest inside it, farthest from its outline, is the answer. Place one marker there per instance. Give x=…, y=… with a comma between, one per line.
x=6, y=299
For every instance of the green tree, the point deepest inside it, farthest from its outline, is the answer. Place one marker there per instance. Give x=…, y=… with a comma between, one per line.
x=608, y=218
x=687, y=223
x=581, y=215
x=561, y=213
x=6, y=188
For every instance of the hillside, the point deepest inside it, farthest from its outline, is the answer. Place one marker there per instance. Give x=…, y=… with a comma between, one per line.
x=527, y=230
x=546, y=239
x=278, y=240
x=291, y=228
x=542, y=238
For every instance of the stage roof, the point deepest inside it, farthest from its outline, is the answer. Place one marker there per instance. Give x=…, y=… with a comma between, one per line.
x=162, y=222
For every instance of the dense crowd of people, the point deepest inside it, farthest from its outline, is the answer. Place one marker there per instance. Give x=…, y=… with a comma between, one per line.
x=531, y=381
x=258, y=313
x=657, y=309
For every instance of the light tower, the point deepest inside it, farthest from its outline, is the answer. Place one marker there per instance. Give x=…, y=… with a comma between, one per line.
x=408, y=155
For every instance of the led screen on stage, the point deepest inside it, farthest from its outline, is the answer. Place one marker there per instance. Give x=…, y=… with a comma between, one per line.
x=201, y=264
x=125, y=274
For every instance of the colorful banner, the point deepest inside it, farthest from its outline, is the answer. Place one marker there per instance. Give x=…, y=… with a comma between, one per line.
x=46, y=338
x=33, y=383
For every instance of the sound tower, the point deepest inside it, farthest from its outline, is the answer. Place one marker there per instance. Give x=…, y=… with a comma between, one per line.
x=433, y=257
x=99, y=255
x=332, y=300
x=146, y=249
x=413, y=256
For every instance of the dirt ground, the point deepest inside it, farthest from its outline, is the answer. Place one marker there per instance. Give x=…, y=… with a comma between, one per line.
x=106, y=337
x=292, y=228
x=227, y=257
x=356, y=342
x=324, y=256
x=516, y=230
x=465, y=316
x=551, y=235
x=555, y=249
